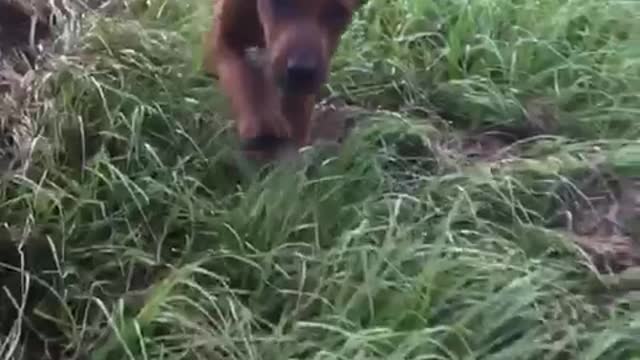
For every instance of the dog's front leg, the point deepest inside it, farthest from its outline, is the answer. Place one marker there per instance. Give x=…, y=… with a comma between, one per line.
x=253, y=97
x=298, y=111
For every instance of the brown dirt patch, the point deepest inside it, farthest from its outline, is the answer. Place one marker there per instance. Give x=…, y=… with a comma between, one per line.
x=601, y=214
x=18, y=18
x=24, y=25
x=333, y=120
x=602, y=218
x=494, y=142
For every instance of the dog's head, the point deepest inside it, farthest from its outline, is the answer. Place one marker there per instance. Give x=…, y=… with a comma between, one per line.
x=301, y=37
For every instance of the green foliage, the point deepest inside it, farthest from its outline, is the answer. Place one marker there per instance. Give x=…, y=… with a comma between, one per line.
x=167, y=248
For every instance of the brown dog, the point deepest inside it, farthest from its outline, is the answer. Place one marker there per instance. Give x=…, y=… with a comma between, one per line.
x=273, y=103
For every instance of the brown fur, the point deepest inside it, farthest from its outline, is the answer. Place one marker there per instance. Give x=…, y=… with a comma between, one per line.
x=299, y=38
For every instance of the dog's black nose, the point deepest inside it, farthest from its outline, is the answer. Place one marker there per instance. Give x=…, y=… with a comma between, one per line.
x=302, y=74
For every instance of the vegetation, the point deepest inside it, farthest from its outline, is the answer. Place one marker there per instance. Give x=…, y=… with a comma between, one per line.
x=140, y=234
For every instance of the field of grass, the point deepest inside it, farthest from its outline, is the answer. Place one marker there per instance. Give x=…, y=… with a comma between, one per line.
x=141, y=235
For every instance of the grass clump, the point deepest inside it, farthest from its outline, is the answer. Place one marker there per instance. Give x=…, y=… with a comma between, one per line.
x=156, y=244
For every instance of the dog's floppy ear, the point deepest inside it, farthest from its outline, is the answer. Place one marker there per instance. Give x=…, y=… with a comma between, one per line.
x=359, y=3
x=355, y=4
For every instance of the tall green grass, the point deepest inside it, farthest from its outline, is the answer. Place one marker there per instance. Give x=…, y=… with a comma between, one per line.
x=481, y=61
x=164, y=247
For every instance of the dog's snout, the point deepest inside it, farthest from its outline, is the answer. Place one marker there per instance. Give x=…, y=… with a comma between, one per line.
x=301, y=70
x=302, y=73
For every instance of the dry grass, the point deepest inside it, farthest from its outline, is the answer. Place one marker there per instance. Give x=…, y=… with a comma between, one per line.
x=137, y=233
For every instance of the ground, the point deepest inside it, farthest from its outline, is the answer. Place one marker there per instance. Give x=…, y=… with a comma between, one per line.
x=483, y=204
